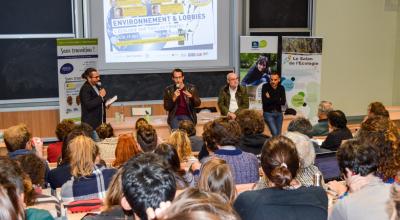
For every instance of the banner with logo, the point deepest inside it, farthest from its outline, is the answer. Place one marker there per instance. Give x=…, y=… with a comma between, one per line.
x=301, y=74
x=258, y=58
x=74, y=57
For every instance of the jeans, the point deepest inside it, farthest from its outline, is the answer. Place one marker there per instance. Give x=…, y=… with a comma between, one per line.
x=274, y=121
x=177, y=118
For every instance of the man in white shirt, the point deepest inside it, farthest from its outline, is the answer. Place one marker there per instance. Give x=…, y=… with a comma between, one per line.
x=232, y=97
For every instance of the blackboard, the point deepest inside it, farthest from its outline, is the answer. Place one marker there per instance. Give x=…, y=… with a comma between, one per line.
x=28, y=69
x=142, y=87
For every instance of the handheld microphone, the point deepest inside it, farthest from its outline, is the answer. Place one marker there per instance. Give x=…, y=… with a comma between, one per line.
x=98, y=85
x=178, y=86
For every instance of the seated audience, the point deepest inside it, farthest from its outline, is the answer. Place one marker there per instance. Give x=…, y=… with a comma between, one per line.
x=252, y=125
x=35, y=168
x=88, y=181
x=322, y=128
x=18, y=142
x=60, y=175
x=108, y=142
x=338, y=130
x=204, y=152
x=145, y=184
x=216, y=176
x=12, y=173
x=181, y=142
x=168, y=153
x=62, y=130
x=140, y=122
x=369, y=195
x=381, y=132
x=225, y=133
x=147, y=138
x=126, y=148
x=196, y=142
x=285, y=198
x=377, y=109
x=10, y=203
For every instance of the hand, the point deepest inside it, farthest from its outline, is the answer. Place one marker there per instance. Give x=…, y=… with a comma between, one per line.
x=231, y=115
x=188, y=94
x=159, y=212
x=267, y=95
x=339, y=187
x=38, y=144
x=177, y=93
x=102, y=93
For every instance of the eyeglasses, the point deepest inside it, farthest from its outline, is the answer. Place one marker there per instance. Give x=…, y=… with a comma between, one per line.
x=178, y=77
x=95, y=77
x=233, y=79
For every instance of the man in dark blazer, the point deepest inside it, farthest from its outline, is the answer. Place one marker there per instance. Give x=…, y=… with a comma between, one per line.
x=92, y=97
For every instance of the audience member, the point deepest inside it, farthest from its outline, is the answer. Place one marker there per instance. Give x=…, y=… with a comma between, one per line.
x=285, y=198
x=11, y=206
x=252, y=125
x=338, y=130
x=377, y=109
x=18, y=142
x=368, y=195
x=379, y=131
x=147, y=138
x=107, y=143
x=216, y=176
x=195, y=141
x=226, y=135
x=126, y=148
x=322, y=127
x=62, y=130
x=139, y=122
x=88, y=181
x=181, y=141
x=146, y=183
x=208, y=143
x=171, y=159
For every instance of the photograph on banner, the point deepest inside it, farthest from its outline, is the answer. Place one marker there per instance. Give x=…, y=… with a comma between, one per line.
x=301, y=74
x=74, y=57
x=258, y=58
x=162, y=30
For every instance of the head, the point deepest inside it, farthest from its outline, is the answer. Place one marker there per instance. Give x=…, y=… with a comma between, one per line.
x=337, y=119
x=139, y=122
x=147, y=138
x=169, y=155
x=262, y=63
x=274, y=80
x=224, y=131
x=10, y=202
x=17, y=137
x=207, y=138
x=34, y=167
x=125, y=149
x=216, y=176
x=251, y=122
x=361, y=158
x=83, y=152
x=280, y=161
x=233, y=80
x=105, y=130
x=377, y=109
x=301, y=125
x=177, y=76
x=92, y=76
x=65, y=157
x=63, y=128
x=114, y=192
x=146, y=183
x=181, y=141
x=205, y=204
x=304, y=147
x=324, y=108
x=188, y=127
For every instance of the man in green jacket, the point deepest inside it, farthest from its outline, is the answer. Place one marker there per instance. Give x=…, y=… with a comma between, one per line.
x=232, y=97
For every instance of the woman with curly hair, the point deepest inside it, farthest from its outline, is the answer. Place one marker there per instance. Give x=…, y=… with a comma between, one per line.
x=182, y=145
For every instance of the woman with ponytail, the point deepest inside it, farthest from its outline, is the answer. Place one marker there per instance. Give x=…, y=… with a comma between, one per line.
x=285, y=198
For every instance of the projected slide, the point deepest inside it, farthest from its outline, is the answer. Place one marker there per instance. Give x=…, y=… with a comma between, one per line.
x=160, y=30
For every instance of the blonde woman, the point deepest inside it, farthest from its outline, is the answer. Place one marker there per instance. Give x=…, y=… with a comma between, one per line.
x=88, y=181
x=182, y=145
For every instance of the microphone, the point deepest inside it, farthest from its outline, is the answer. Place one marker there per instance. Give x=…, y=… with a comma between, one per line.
x=178, y=86
x=98, y=85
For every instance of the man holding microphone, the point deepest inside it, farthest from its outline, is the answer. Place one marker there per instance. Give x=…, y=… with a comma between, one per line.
x=180, y=100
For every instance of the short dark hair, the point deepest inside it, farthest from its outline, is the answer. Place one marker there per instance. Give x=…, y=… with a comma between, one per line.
x=358, y=156
x=250, y=121
x=301, y=125
x=87, y=72
x=146, y=183
x=280, y=160
x=105, y=130
x=208, y=140
x=177, y=70
x=63, y=128
x=276, y=73
x=35, y=167
x=147, y=138
x=225, y=131
x=337, y=119
x=262, y=60
x=188, y=127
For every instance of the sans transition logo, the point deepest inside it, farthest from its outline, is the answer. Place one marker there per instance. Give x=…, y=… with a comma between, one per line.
x=259, y=44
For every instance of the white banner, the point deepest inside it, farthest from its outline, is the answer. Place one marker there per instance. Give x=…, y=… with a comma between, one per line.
x=301, y=74
x=74, y=57
x=258, y=58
